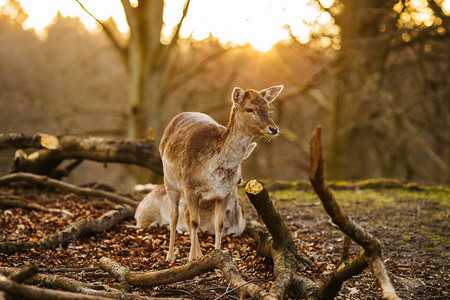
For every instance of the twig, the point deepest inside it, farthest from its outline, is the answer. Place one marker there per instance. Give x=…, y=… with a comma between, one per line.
x=232, y=290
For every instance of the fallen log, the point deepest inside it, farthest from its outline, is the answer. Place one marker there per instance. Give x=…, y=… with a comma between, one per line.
x=72, y=232
x=56, y=149
x=60, y=282
x=7, y=200
x=18, y=290
x=44, y=180
x=217, y=259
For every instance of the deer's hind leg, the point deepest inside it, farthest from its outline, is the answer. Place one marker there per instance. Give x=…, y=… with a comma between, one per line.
x=194, y=221
x=174, y=197
x=187, y=217
x=220, y=210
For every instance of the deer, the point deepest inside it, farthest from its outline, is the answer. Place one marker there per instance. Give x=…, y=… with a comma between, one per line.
x=202, y=159
x=154, y=209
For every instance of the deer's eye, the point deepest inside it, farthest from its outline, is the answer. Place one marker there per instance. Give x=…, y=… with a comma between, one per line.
x=250, y=110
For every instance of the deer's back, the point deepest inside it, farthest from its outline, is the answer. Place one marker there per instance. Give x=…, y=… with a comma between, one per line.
x=190, y=138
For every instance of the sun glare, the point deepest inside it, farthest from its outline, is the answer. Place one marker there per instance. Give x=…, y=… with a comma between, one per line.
x=259, y=23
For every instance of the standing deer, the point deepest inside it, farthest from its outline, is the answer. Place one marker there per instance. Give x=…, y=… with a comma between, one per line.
x=202, y=159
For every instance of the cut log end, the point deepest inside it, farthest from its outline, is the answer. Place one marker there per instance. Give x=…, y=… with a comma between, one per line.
x=253, y=187
x=50, y=142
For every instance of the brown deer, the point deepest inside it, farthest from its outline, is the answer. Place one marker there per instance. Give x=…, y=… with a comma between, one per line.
x=154, y=209
x=202, y=159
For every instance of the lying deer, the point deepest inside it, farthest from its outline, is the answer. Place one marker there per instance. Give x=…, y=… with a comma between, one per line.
x=154, y=210
x=202, y=159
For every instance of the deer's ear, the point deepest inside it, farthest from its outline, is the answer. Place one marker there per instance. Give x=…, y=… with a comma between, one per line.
x=250, y=149
x=271, y=93
x=237, y=95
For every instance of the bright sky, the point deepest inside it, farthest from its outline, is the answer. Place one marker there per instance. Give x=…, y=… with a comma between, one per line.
x=260, y=23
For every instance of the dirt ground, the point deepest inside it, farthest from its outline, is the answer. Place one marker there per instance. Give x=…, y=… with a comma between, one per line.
x=412, y=225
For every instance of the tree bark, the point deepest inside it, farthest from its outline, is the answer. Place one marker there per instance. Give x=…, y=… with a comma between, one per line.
x=277, y=249
x=43, y=180
x=72, y=232
x=370, y=244
x=30, y=292
x=216, y=259
x=143, y=153
x=63, y=283
x=12, y=201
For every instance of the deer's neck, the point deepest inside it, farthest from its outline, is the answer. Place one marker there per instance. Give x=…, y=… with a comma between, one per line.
x=234, y=144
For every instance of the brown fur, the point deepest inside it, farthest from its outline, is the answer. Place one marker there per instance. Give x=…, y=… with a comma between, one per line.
x=202, y=159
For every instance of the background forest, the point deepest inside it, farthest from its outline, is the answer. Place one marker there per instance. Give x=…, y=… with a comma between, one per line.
x=376, y=76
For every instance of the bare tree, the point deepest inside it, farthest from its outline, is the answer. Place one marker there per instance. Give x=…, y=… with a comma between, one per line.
x=148, y=62
x=369, y=104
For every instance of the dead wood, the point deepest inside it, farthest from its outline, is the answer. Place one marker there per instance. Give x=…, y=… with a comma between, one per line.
x=72, y=232
x=276, y=246
x=56, y=149
x=71, y=285
x=20, y=140
x=216, y=259
x=22, y=274
x=119, y=272
x=7, y=200
x=18, y=290
x=44, y=180
x=371, y=245
x=259, y=197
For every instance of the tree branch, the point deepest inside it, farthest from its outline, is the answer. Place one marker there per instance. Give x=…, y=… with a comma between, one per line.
x=30, y=292
x=216, y=259
x=122, y=50
x=63, y=283
x=345, y=224
x=72, y=232
x=67, y=187
x=176, y=34
x=7, y=200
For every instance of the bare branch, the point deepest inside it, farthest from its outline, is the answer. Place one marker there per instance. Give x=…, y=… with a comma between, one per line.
x=122, y=50
x=72, y=232
x=216, y=259
x=345, y=224
x=65, y=283
x=191, y=73
x=167, y=50
x=176, y=34
x=18, y=290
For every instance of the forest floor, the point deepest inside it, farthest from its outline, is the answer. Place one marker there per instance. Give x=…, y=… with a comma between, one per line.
x=411, y=223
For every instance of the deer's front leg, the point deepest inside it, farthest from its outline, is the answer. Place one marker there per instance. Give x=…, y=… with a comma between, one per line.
x=220, y=210
x=175, y=200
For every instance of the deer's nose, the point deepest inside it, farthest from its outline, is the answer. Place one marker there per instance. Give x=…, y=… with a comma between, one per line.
x=273, y=130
